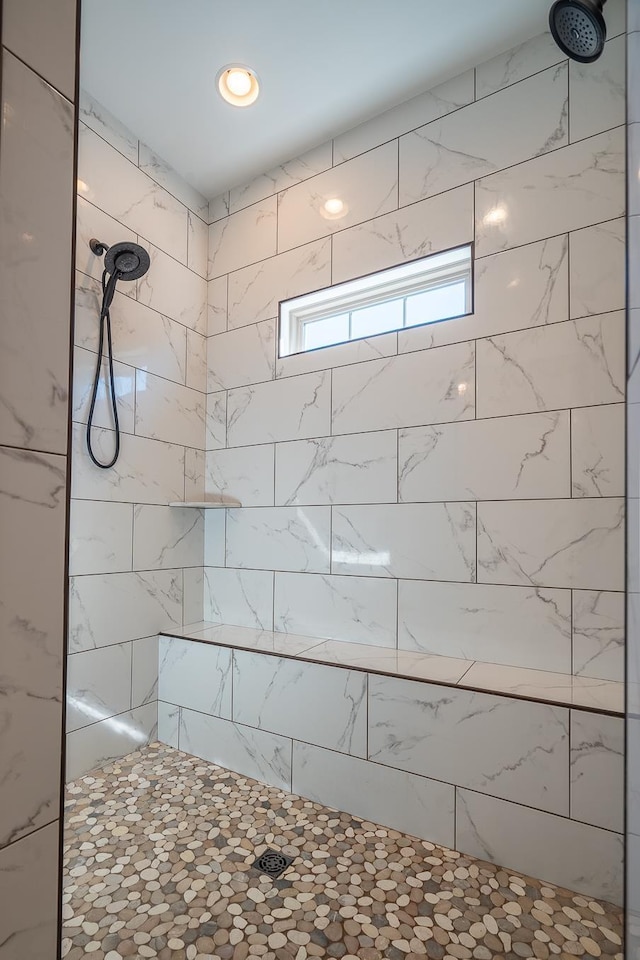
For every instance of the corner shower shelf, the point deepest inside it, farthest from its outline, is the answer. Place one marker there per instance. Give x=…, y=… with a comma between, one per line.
x=215, y=503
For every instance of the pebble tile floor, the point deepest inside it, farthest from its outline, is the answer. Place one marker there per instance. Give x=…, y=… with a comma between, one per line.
x=158, y=863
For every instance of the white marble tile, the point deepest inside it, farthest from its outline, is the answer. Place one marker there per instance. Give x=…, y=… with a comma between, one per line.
x=367, y=186
x=254, y=291
x=529, y=456
x=84, y=371
x=417, y=806
x=30, y=884
x=160, y=171
x=279, y=538
x=32, y=520
x=239, y=597
x=144, y=671
x=92, y=747
x=598, y=269
x=356, y=609
x=98, y=685
x=519, y=122
x=196, y=361
x=434, y=386
x=516, y=64
x=513, y=290
x=174, y=290
x=92, y=222
x=219, y=207
x=424, y=108
x=108, y=127
x=597, y=91
x=168, y=723
x=430, y=541
x=597, y=451
x=196, y=675
x=579, y=363
x=116, y=185
x=147, y=471
x=216, y=421
x=193, y=594
x=241, y=357
x=285, y=175
x=358, y=468
x=289, y=409
x=430, y=226
x=565, y=190
x=197, y=244
x=35, y=216
x=146, y=603
x=553, y=543
x=243, y=238
x=249, y=638
x=217, y=306
x=168, y=411
x=598, y=634
x=244, y=473
x=167, y=537
x=318, y=704
x=338, y=355
x=597, y=770
x=573, y=855
x=142, y=337
x=521, y=626
x=511, y=749
x=253, y=753
x=540, y=685
x=100, y=537
x=44, y=36
x=387, y=660
x=215, y=523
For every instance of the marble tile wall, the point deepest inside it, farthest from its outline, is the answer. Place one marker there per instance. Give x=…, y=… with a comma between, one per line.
x=455, y=488
x=37, y=156
x=633, y=484
x=130, y=551
x=531, y=786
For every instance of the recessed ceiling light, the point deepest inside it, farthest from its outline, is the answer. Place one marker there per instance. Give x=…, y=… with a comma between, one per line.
x=238, y=85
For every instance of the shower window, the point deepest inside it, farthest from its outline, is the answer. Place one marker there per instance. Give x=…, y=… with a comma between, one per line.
x=429, y=290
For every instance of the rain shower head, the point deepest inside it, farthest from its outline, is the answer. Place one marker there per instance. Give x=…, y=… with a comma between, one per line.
x=578, y=28
x=129, y=260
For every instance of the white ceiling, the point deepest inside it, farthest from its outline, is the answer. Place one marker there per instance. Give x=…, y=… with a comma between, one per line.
x=324, y=66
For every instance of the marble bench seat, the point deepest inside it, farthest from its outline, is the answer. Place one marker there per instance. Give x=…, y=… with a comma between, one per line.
x=581, y=693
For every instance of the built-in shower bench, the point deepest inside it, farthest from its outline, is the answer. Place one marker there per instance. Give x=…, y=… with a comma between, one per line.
x=520, y=767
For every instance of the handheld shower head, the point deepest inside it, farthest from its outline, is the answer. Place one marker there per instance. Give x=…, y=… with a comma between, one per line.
x=129, y=260
x=579, y=28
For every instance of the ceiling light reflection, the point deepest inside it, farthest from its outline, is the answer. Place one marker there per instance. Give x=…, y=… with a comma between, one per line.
x=334, y=209
x=495, y=216
x=117, y=724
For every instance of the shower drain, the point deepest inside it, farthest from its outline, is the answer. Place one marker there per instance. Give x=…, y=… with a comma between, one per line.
x=273, y=863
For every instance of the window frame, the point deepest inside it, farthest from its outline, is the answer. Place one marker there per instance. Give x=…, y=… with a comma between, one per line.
x=336, y=304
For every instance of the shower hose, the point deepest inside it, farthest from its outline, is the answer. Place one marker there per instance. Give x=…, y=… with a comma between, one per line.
x=108, y=290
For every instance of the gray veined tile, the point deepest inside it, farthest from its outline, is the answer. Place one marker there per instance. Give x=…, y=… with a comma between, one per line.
x=100, y=538
x=598, y=268
x=244, y=237
x=520, y=626
x=102, y=122
x=420, y=807
x=216, y=421
x=598, y=634
x=579, y=363
x=359, y=468
x=197, y=244
x=144, y=671
x=516, y=64
x=279, y=178
x=243, y=473
x=217, y=306
x=93, y=222
x=29, y=879
x=196, y=361
x=279, y=538
x=357, y=609
x=168, y=723
x=597, y=95
x=338, y=355
x=544, y=685
x=254, y=753
x=239, y=597
x=84, y=371
x=167, y=537
x=160, y=171
x=597, y=770
x=264, y=641
x=598, y=451
x=168, y=411
x=322, y=705
x=519, y=122
x=92, y=747
x=505, y=748
x=215, y=527
x=287, y=409
x=388, y=660
x=193, y=598
x=173, y=290
x=565, y=190
x=219, y=207
x=530, y=457
x=554, y=543
x=195, y=675
x=427, y=541
x=241, y=357
x=98, y=685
